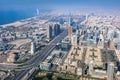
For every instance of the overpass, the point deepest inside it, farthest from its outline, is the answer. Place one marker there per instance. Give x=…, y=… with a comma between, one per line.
x=37, y=59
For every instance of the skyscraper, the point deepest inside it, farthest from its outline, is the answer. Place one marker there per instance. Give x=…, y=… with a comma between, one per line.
x=37, y=11
x=74, y=40
x=70, y=32
x=110, y=71
x=70, y=21
x=56, y=29
x=33, y=47
x=111, y=44
x=49, y=32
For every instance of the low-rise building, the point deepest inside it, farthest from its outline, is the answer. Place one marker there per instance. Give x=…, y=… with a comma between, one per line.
x=45, y=66
x=79, y=71
x=65, y=45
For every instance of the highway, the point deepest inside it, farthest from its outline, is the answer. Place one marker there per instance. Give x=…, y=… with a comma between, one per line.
x=37, y=59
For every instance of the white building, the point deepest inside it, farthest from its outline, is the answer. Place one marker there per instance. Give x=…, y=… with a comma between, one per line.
x=49, y=32
x=79, y=71
x=33, y=47
x=91, y=68
x=110, y=71
x=74, y=40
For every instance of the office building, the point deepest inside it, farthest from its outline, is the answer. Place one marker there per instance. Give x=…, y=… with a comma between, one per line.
x=90, y=72
x=56, y=29
x=49, y=32
x=118, y=46
x=70, y=32
x=33, y=48
x=111, y=44
x=70, y=21
x=65, y=45
x=110, y=71
x=74, y=40
x=45, y=66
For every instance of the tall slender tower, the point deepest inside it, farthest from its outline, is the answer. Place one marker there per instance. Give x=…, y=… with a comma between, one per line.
x=74, y=40
x=33, y=47
x=56, y=29
x=70, y=28
x=37, y=12
x=70, y=32
x=69, y=21
x=49, y=32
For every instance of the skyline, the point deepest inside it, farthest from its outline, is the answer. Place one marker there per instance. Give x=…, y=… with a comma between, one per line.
x=59, y=4
x=15, y=10
x=60, y=40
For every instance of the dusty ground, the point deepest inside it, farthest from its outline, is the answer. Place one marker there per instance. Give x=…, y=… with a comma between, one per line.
x=20, y=42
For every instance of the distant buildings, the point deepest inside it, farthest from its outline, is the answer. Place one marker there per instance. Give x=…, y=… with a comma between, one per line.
x=110, y=35
x=2, y=47
x=37, y=12
x=87, y=38
x=56, y=29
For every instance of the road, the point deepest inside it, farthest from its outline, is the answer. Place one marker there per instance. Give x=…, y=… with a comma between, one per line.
x=37, y=59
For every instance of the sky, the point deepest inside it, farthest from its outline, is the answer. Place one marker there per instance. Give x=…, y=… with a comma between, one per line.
x=59, y=4
x=13, y=10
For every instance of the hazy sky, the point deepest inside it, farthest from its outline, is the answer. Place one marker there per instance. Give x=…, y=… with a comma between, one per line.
x=59, y=4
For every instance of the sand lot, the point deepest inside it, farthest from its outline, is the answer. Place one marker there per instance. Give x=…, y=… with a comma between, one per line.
x=20, y=42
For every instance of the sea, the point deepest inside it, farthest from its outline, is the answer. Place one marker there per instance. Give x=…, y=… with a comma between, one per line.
x=9, y=16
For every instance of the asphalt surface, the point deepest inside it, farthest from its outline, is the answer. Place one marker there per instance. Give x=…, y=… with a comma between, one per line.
x=37, y=59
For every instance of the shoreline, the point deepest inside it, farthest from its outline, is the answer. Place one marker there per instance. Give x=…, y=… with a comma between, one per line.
x=17, y=22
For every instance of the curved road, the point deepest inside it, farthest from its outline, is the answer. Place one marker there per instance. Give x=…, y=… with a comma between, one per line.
x=37, y=59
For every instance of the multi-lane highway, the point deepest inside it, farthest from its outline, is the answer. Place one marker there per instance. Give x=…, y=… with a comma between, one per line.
x=37, y=59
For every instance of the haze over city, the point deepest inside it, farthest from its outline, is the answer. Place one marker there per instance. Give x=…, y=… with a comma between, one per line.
x=59, y=40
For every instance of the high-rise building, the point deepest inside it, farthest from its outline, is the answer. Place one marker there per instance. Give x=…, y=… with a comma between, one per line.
x=91, y=68
x=49, y=32
x=74, y=40
x=70, y=21
x=65, y=44
x=37, y=11
x=110, y=71
x=56, y=29
x=70, y=32
x=33, y=47
x=111, y=44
